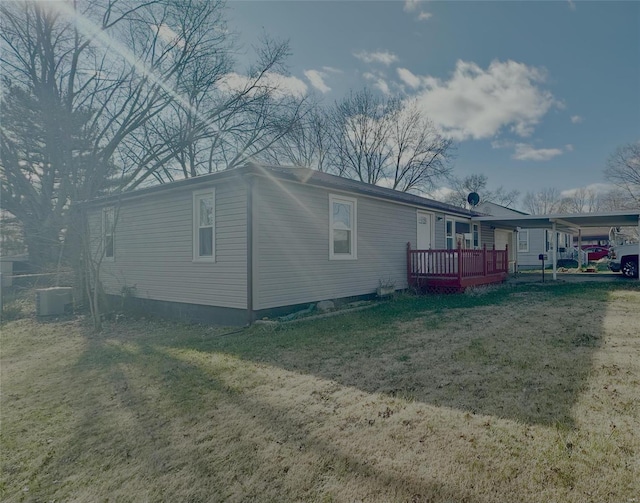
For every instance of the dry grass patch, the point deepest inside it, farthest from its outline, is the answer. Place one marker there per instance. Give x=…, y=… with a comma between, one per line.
x=524, y=396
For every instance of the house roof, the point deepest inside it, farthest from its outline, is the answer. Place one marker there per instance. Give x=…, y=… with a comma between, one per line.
x=295, y=174
x=510, y=211
x=565, y=222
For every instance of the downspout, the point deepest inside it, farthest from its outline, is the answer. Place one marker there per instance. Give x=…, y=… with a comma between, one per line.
x=250, y=313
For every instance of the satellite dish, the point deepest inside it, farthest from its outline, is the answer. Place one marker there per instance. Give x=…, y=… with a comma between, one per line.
x=473, y=198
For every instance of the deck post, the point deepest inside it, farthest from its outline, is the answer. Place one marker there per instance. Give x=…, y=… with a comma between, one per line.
x=484, y=259
x=494, y=259
x=460, y=263
x=506, y=258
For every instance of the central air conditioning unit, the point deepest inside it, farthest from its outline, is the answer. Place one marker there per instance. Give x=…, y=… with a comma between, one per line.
x=53, y=301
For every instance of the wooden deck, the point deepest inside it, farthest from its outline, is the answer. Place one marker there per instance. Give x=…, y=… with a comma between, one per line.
x=449, y=271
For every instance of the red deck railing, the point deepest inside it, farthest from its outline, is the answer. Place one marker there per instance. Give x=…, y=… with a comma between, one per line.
x=459, y=267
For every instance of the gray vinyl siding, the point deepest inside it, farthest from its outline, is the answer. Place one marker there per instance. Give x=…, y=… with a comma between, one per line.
x=291, y=245
x=487, y=236
x=154, y=249
x=537, y=245
x=440, y=232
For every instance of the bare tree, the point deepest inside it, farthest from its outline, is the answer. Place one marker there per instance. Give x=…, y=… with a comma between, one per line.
x=616, y=200
x=382, y=141
x=582, y=200
x=545, y=201
x=623, y=169
x=360, y=129
x=306, y=144
x=104, y=95
x=420, y=155
x=462, y=187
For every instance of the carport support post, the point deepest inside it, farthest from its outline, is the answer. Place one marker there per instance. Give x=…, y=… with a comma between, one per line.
x=555, y=251
x=580, y=264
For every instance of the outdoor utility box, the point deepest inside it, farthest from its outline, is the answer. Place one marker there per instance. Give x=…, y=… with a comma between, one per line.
x=55, y=300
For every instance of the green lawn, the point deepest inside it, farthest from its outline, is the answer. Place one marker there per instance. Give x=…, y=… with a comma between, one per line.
x=525, y=393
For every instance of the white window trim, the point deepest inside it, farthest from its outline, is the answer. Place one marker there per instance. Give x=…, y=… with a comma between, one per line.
x=106, y=257
x=526, y=250
x=454, y=220
x=451, y=236
x=476, y=228
x=197, y=195
x=354, y=228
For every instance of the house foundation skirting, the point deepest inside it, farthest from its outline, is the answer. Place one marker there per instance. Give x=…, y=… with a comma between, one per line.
x=210, y=315
x=192, y=313
x=276, y=312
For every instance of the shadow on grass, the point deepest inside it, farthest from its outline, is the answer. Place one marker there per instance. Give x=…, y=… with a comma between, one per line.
x=233, y=446
x=527, y=357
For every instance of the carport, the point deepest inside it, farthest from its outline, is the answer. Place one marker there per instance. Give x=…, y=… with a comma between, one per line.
x=564, y=223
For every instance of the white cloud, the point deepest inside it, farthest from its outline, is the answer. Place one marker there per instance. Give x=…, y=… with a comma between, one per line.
x=280, y=85
x=576, y=119
x=526, y=152
x=409, y=78
x=411, y=5
x=331, y=69
x=502, y=144
x=383, y=86
x=440, y=194
x=378, y=81
x=316, y=78
x=383, y=57
x=597, y=188
x=479, y=103
x=168, y=35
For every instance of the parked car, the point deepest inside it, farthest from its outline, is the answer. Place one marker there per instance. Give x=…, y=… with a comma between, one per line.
x=624, y=258
x=595, y=252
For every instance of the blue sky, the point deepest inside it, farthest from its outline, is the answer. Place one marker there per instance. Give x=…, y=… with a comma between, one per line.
x=537, y=94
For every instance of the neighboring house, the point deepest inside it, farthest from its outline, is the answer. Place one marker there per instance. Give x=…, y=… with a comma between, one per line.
x=598, y=236
x=530, y=243
x=238, y=245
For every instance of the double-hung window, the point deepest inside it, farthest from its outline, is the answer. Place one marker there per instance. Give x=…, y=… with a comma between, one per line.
x=204, y=222
x=523, y=241
x=342, y=228
x=449, y=226
x=108, y=232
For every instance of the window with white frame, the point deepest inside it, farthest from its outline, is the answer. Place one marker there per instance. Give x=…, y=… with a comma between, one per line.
x=342, y=228
x=476, y=236
x=449, y=234
x=547, y=240
x=204, y=218
x=108, y=232
x=523, y=241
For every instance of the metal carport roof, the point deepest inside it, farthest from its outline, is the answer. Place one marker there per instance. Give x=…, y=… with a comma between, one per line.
x=565, y=223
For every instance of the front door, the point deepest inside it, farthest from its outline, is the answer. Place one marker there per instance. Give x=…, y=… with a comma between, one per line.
x=423, y=241
x=503, y=239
